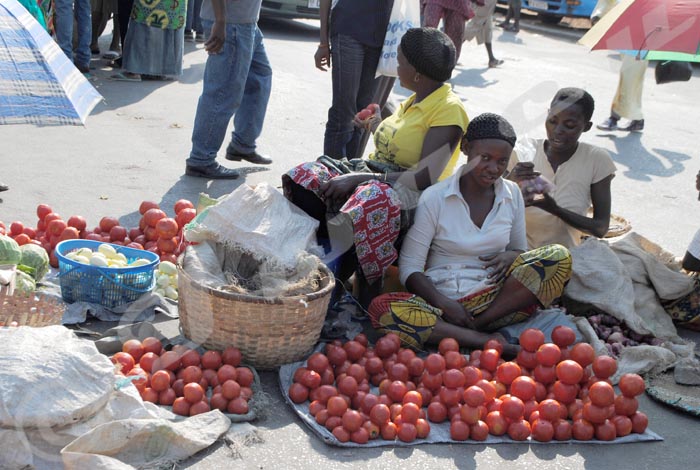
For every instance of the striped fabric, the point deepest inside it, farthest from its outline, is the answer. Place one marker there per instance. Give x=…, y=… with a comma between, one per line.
x=38, y=84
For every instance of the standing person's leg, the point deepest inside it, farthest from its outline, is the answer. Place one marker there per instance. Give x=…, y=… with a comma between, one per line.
x=224, y=81
x=627, y=102
x=347, y=62
x=454, y=28
x=509, y=15
x=197, y=20
x=98, y=23
x=517, y=5
x=188, y=21
x=116, y=45
x=250, y=113
x=84, y=27
x=124, y=12
x=365, y=93
x=432, y=15
x=64, y=26
x=488, y=33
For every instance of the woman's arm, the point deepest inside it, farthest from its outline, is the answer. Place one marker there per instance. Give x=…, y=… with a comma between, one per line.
x=597, y=225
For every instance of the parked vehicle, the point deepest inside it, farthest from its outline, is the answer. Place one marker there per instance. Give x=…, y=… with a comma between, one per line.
x=308, y=9
x=552, y=11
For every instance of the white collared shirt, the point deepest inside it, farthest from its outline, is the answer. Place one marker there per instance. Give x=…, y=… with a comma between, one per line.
x=445, y=244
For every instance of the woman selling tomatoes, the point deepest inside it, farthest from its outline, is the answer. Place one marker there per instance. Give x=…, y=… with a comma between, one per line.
x=464, y=261
x=363, y=205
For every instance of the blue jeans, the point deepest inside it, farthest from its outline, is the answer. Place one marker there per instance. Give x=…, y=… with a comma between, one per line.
x=352, y=66
x=237, y=81
x=64, y=29
x=193, y=22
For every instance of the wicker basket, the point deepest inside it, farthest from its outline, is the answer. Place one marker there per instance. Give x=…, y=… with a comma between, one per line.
x=268, y=331
x=30, y=310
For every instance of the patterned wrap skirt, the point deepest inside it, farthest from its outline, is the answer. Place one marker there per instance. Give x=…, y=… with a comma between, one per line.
x=685, y=311
x=543, y=271
x=378, y=212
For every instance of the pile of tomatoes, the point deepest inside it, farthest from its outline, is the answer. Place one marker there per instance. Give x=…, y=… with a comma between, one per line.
x=551, y=391
x=181, y=377
x=156, y=231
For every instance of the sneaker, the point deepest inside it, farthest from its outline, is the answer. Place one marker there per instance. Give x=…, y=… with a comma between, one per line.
x=190, y=36
x=610, y=124
x=199, y=37
x=636, y=125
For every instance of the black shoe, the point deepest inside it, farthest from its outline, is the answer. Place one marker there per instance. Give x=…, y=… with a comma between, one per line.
x=636, y=125
x=254, y=157
x=610, y=124
x=212, y=172
x=95, y=51
x=3, y=187
x=83, y=68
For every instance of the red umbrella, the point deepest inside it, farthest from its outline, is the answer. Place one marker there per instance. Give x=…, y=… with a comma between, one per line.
x=653, y=25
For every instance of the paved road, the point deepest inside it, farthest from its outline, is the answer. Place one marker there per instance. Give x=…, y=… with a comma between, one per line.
x=135, y=143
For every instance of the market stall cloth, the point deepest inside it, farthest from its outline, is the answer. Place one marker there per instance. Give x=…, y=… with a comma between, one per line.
x=38, y=84
x=439, y=432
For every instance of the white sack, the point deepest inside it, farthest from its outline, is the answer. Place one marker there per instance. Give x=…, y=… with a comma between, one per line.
x=135, y=443
x=49, y=377
x=259, y=221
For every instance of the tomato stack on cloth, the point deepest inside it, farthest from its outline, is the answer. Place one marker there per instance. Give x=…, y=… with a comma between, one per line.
x=188, y=382
x=352, y=394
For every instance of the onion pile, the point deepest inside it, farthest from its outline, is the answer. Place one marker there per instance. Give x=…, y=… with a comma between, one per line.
x=617, y=335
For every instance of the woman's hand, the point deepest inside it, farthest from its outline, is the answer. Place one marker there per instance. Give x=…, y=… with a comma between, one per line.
x=523, y=171
x=453, y=312
x=497, y=265
x=368, y=118
x=341, y=187
x=546, y=203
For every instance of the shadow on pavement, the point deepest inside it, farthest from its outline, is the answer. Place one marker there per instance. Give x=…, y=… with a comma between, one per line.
x=641, y=163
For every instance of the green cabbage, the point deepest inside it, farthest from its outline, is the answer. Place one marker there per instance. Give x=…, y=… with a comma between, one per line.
x=24, y=283
x=36, y=258
x=9, y=251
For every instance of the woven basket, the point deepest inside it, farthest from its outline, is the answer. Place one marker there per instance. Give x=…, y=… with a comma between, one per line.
x=30, y=310
x=268, y=331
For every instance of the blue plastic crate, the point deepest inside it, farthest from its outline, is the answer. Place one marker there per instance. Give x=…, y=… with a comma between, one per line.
x=109, y=287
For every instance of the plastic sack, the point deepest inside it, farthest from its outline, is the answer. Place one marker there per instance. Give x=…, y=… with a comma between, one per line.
x=525, y=149
x=50, y=377
x=259, y=221
x=405, y=14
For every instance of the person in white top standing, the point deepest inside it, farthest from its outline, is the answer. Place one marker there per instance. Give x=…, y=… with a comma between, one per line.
x=464, y=261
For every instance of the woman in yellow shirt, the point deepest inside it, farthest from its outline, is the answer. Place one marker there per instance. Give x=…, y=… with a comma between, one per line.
x=363, y=205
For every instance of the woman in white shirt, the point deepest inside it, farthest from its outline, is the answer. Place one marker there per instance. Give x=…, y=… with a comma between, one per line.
x=466, y=248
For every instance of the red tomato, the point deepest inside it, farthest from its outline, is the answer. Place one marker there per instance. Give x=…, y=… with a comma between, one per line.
x=479, y=431
x=626, y=406
x=384, y=347
x=413, y=397
x=354, y=350
x=160, y=381
x=564, y=393
x=347, y=386
x=582, y=430
x=133, y=347
x=489, y=359
x=469, y=414
x=211, y=360
x=397, y=390
x=459, y=430
x=623, y=425
x=125, y=362
x=361, y=436
x=474, y=396
x=569, y=372
x=181, y=204
x=563, y=336
x=352, y=420
x=437, y=412
x=562, y=430
x=448, y=344
x=416, y=366
x=167, y=227
x=497, y=423
x=453, y=378
x=147, y=360
x=42, y=210
x=432, y=381
x=594, y=414
x=605, y=431
x=380, y=414
x=181, y=407
x=601, y=394
x=527, y=359
x=524, y=388
x=231, y=390
x=542, y=430
x=167, y=397
x=434, y=364
x=190, y=358
x=582, y=353
x=507, y=372
x=193, y=392
x=152, y=345
x=218, y=402
x=548, y=354
x=604, y=366
x=398, y=371
x=152, y=216
x=631, y=385
x=410, y=412
x=238, y=406
x=169, y=360
x=519, y=429
x=512, y=407
x=454, y=360
x=341, y=434
x=531, y=339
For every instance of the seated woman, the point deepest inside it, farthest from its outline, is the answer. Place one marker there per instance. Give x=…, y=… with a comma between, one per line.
x=685, y=311
x=580, y=172
x=464, y=261
x=364, y=205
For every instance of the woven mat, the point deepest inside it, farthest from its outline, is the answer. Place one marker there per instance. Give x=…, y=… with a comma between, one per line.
x=663, y=388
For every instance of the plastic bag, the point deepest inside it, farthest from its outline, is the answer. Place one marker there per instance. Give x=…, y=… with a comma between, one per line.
x=405, y=14
x=525, y=149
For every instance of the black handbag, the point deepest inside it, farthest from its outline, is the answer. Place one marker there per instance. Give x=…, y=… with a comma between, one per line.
x=673, y=71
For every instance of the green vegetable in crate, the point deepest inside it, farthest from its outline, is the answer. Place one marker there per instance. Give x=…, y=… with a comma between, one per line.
x=24, y=283
x=9, y=251
x=36, y=258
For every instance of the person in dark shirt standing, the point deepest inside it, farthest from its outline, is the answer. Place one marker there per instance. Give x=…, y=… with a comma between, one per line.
x=352, y=35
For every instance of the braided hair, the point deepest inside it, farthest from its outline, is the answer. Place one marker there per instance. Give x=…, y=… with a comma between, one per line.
x=430, y=51
x=490, y=126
